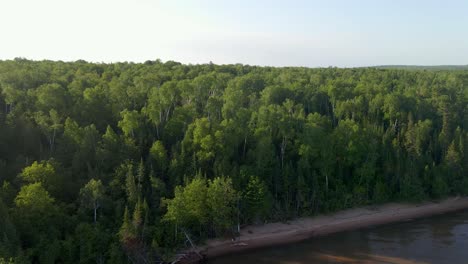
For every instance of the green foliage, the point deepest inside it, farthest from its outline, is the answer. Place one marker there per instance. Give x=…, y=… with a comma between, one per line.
x=411, y=188
x=381, y=192
x=92, y=195
x=34, y=197
x=7, y=193
x=9, y=242
x=131, y=186
x=91, y=243
x=158, y=153
x=37, y=220
x=124, y=140
x=6, y=261
x=126, y=231
x=200, y=204
x=46, y=173
x=221, y=201
x=38, y=172
x=440, y=187
x=131, y=123
x=189, y=206
x=256, y=199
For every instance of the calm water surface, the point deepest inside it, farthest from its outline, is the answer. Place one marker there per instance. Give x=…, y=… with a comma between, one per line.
x=440, y=239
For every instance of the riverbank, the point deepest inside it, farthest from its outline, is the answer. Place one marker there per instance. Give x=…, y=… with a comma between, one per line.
x=257, y=236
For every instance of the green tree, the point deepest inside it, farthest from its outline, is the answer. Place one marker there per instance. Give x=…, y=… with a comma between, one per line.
x=91, y=196
x=221, y=201
x=46, y=173
x=51, y=124
x=159, y=155
x=188, y=208
x=8, y=240
x=127, y=232
x=133, y=193
x=256, y=200
x=34, y=198
x=38, y=222
x=131, y=123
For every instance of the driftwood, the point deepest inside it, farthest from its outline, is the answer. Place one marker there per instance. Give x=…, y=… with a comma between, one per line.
x=191, y=257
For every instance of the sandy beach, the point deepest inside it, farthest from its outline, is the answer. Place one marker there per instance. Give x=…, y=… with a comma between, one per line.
x=303, y=228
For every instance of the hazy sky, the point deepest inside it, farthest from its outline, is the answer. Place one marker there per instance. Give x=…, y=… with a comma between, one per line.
x=279, y=33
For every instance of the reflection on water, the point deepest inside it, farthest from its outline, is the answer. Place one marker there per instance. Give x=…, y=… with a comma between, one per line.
x=440, y=239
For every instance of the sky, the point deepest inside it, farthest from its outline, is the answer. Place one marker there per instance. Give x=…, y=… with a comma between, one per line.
x=313, y=33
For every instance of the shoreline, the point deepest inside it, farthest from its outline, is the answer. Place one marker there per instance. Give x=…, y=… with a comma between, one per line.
x=273, y=234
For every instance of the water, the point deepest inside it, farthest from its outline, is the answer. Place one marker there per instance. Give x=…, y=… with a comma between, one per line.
x=440, y=239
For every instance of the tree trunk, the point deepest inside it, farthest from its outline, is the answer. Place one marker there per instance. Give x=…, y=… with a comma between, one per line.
x=283, y=150
x=238, y=217
x=245, y=145
x=52, y=141
x=95, y=212
x=326, y=182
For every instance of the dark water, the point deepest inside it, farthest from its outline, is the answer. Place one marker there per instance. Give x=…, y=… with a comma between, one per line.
x=440, y=239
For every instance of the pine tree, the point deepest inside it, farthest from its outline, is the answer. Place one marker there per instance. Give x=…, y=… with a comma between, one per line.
x=140, y=177
x=137, y=219
x=131, y=186
x=126, y=232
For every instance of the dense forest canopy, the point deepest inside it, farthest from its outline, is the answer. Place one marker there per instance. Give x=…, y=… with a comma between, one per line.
x=428, y=68
x=116, y=163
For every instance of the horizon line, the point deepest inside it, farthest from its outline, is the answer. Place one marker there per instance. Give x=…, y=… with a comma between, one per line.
x=228, y=64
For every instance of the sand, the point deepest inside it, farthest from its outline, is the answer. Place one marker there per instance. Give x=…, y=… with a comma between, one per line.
x=257, y=236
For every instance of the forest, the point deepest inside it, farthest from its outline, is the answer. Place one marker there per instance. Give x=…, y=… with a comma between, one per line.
x=119, y=162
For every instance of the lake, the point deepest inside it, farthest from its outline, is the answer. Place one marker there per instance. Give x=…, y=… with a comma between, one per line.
x=439, y=239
